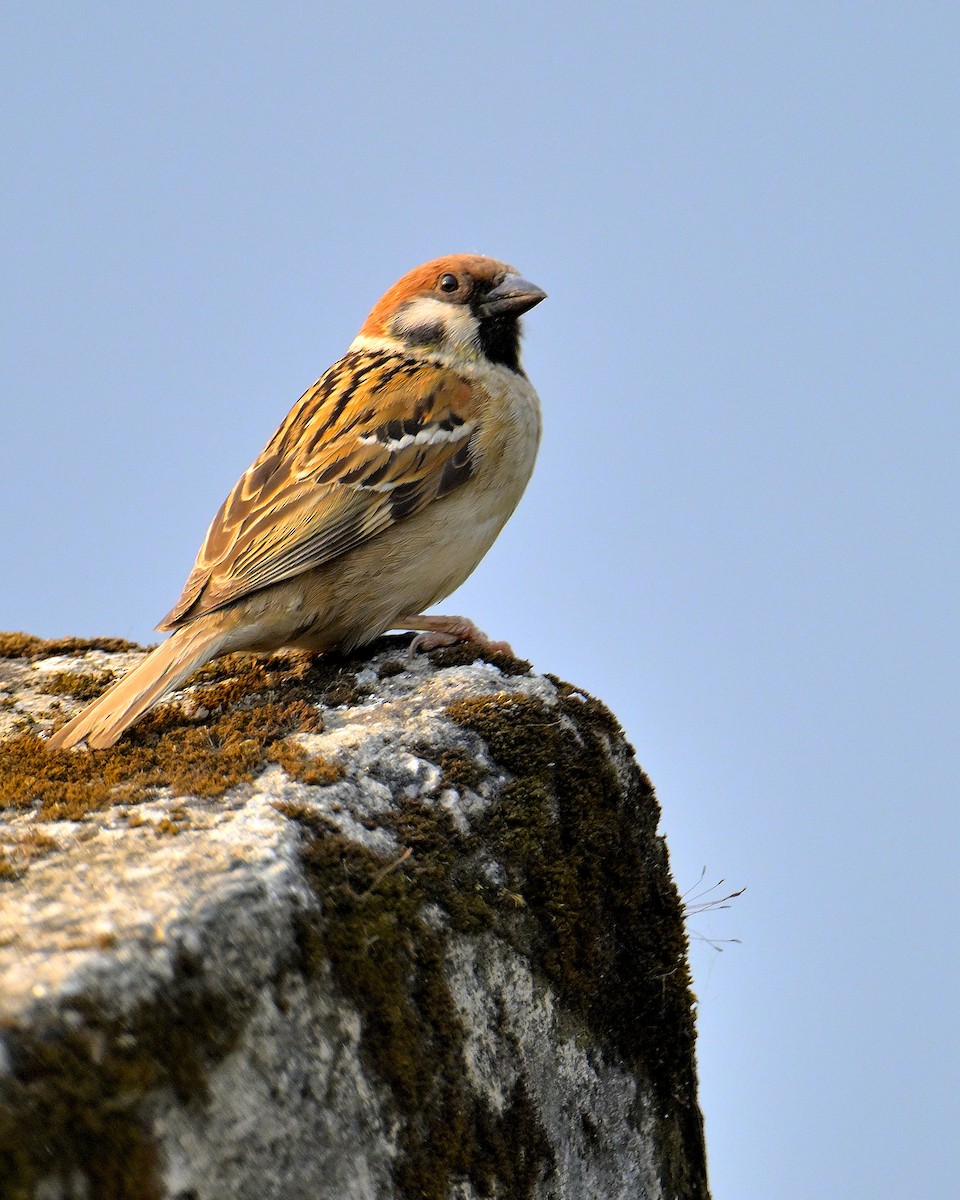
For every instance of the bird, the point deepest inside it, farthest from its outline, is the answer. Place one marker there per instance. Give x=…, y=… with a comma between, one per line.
x=377, y=496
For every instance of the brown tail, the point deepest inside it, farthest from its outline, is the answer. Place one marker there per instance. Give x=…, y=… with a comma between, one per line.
x=101, y=723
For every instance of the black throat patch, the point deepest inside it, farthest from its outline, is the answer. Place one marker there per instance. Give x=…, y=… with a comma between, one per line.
x=500, y=341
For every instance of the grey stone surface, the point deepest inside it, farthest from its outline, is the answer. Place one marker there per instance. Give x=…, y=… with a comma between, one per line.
x=391, y=984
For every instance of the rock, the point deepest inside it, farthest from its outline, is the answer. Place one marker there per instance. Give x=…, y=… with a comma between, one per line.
x=372, y=927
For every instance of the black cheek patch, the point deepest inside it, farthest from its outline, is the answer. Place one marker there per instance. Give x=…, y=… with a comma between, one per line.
x=426, y=334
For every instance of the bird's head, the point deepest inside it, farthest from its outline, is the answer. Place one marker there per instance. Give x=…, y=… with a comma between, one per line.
x=464, y=305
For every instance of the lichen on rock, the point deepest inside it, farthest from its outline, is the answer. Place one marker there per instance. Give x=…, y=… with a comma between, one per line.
x=375, y=926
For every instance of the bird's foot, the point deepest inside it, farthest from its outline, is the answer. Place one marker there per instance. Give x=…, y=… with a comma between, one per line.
x=446, y=631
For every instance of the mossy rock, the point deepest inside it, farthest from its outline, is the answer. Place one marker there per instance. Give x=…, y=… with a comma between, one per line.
x=453, y=864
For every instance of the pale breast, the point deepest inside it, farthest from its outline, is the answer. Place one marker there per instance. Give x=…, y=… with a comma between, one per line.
x=421, y=560
x=417, y=562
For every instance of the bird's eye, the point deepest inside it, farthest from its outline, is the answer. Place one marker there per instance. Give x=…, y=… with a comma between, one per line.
x=448, y=283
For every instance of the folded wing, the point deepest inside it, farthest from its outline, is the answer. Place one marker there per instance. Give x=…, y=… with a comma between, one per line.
x=379, y=437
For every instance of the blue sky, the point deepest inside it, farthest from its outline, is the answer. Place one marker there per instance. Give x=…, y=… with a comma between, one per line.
x=742, y=532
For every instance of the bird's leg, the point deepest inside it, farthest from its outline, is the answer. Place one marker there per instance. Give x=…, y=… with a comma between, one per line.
x=445, y=631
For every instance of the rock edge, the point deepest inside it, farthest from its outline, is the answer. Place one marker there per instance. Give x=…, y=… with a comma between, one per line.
x=425, y=943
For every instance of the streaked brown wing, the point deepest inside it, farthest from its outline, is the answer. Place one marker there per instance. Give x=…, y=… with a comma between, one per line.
x=378, y=438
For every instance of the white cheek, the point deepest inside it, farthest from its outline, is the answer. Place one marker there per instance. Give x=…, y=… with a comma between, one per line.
x=455, y=321
x=462, y=326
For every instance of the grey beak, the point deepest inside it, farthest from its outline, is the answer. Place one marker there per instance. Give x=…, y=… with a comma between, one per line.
x=512, y=295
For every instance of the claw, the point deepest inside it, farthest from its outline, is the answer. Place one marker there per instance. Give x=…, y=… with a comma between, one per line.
x=447, y=631
x=430, y=641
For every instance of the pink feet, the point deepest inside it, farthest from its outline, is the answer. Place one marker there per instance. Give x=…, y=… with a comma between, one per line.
x=445, y=631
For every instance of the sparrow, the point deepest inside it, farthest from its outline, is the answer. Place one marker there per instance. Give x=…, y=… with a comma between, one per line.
x=379, y=494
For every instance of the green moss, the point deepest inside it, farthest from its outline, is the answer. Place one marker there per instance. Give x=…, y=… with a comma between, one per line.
x=251, y=706
x=25, y=645
x=514, y=726
x=312, y=769
x=393, y=666
x=80, y=686
x=162, y=751
x=71, y=1102
x=601, y=917
x=460, y=769
x=463, y=654
x=588, y=898
x=389, y=960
